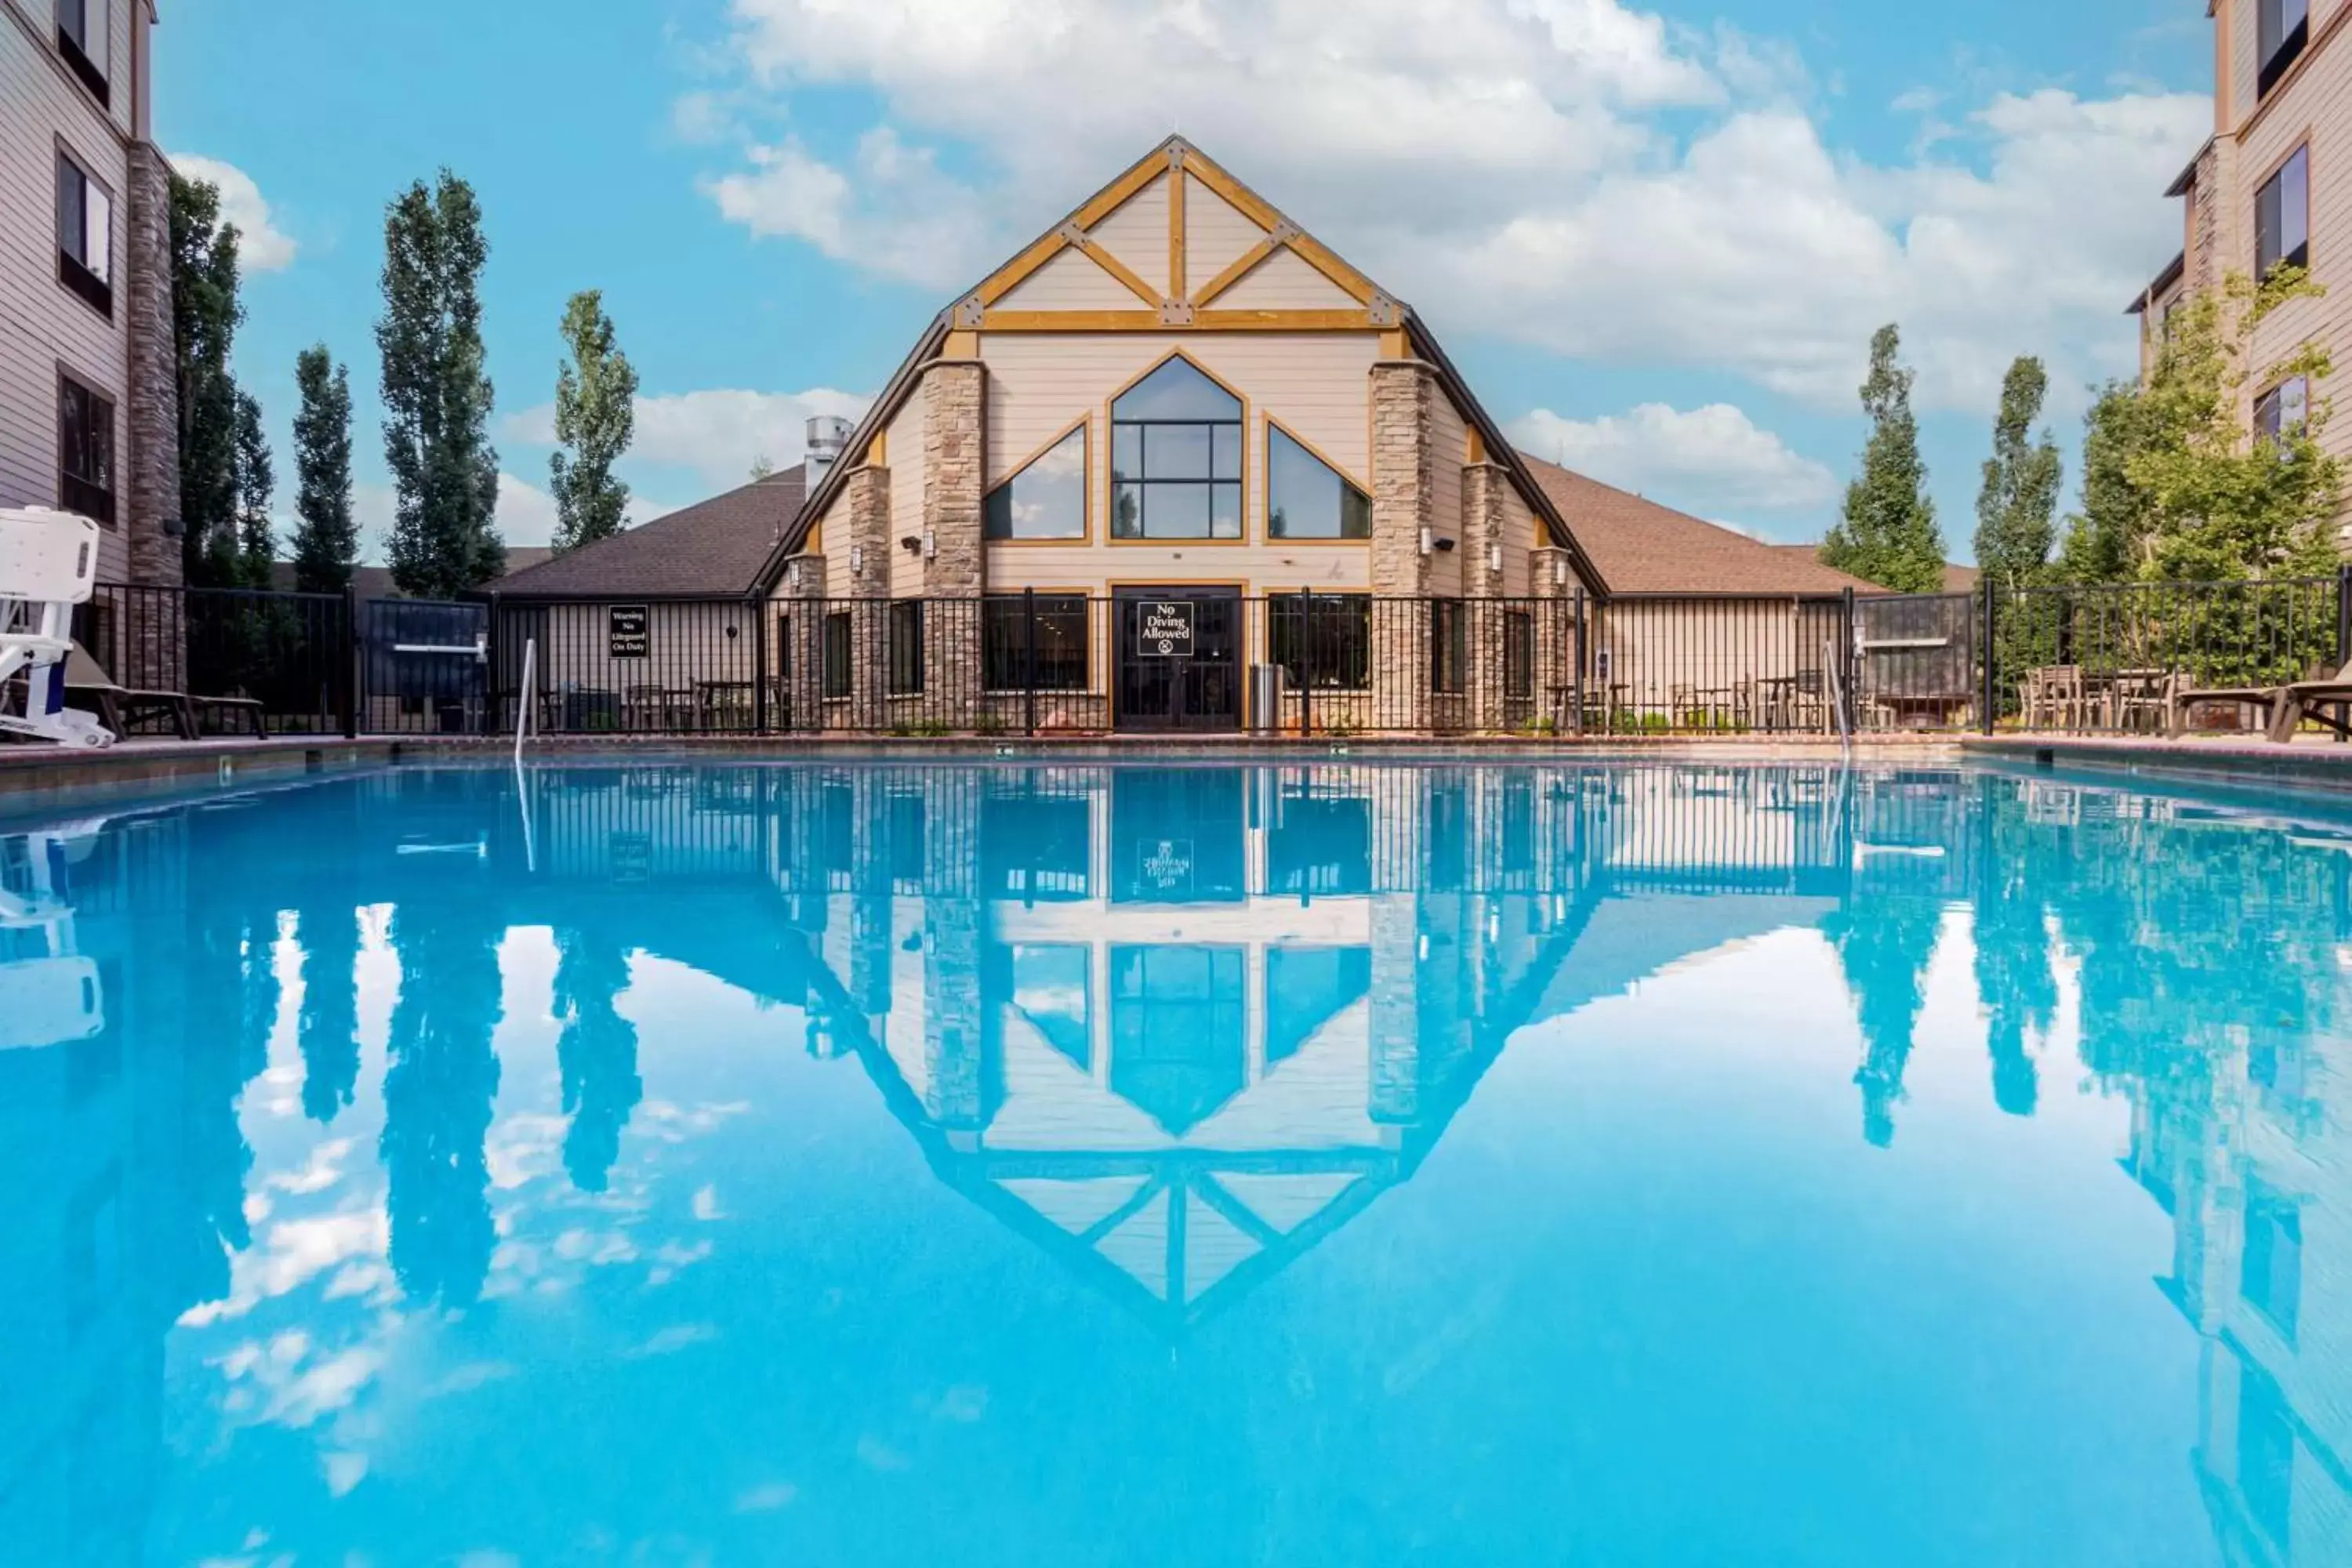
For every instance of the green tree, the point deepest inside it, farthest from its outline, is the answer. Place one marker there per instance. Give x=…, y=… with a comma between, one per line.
x=257, y=483
x=763, y=467
x=445, y=538
x=2227, y=502
x=596, y=415
x=1887, y=533
x=205, y=312
x=2104, y=541
x=326, y=539
x=2016, y=508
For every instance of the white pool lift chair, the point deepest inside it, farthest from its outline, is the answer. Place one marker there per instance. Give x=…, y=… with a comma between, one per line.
x=48, y=563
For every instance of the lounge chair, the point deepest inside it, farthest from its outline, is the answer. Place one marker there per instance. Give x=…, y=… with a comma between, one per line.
x=2283, y=706
x=2304, y=698
x=115, y=704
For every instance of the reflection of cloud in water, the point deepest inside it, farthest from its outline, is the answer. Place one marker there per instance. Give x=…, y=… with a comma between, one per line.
x=292, y=1252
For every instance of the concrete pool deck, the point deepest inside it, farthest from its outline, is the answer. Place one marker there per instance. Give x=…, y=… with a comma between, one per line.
x=32, y=776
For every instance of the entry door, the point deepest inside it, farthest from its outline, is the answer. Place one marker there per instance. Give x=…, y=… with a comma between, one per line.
x=1179, y=658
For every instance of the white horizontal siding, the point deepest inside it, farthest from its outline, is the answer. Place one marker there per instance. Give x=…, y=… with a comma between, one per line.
x=1137, y=234
x=1071, y=281
x=1285, y=282
x=1216, y=233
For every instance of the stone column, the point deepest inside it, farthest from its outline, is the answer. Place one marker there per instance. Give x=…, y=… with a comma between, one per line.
x=954, y=478
x=149, y=456
x=803, y=653
x=864, y=506
x=1552, y=577
x=1405, y=480
x=1483, y=487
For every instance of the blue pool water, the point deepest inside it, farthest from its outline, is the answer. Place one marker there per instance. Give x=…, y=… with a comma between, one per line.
x=1632, y=1164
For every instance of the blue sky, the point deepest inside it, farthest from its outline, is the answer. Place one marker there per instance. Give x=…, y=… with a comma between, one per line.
x=1655, y=236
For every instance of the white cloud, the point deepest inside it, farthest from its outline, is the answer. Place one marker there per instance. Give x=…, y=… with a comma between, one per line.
x=1712, y=462
x=262, y=246
x=718, y=433
x=526, y=512
x=1575, y=175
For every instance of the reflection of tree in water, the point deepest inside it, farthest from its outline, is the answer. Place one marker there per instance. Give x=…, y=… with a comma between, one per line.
x=1885, y=943
x=2015, y=977
x=598, y=1054
x=218, y=1060
x=330, y=1029
x=437, y=1101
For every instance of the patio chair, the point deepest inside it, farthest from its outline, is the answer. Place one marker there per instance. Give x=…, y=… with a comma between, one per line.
x=2303, y=699
x=117, y=704
x=2180, y=697
x=48, y=563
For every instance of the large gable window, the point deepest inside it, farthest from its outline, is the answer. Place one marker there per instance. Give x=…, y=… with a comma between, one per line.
x=2281, y=29
x=2282, y=216
x=1304, y=496
x=1176, y=456
x=1047, y=498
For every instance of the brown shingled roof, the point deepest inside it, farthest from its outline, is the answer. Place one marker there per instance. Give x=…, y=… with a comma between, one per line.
x=716, y=547
x=1641, y=547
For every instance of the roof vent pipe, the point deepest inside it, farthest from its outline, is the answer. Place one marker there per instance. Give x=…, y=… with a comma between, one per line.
x=828, y=434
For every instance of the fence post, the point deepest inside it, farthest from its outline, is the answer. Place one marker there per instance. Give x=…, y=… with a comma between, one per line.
x=1576, y=714
x=1306, y=645
x=2343, y=613
x=1991, y=676
x=1028, y=655
x=759, y=666
x=351, y=656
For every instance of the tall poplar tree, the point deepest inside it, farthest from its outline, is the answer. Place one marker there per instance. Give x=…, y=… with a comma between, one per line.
x=2017, y=507
x=326, y=539
x=436, y=398
x=596, y=415
x=205, y=312
x=1887, y=533
x=256, y=484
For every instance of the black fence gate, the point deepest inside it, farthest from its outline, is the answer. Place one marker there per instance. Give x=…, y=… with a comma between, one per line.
x=1915, y=660
x=424, y=668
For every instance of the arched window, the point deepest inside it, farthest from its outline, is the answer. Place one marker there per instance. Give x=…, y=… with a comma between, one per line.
x=1176, y=457
x=1304, y=496
x=1047, y=498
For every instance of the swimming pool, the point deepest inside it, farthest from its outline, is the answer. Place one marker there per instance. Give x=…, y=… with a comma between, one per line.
x=1620, y=1163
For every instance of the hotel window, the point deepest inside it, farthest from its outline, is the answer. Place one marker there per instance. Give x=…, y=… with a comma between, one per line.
x=84, y=451
x=1059, y=648
x=1176, y=457
x=1047, y=500
x=2283, y=408
x=82, y=36
x=1323, y=642
x=2282, y=28
x=85, y=236
x=2282, y=216
x=1449, y=645
x=905, y=673
x=837, y=654
x=1304, y=496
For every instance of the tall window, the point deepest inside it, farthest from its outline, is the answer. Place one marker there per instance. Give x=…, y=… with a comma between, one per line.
x=85, y=236
x=2282, y=216
x=1176, y=457
x=1058, y=644
x=1323, y=642
x=1047, y=498
x=82, y=34
x=2270, y=1264
x=84, y=451
x=2281, y=29
x=2283, y=408
x=837, y=654
x=1305, y=498
x=1449, y=645
x=906, y=672
x=1519, y=652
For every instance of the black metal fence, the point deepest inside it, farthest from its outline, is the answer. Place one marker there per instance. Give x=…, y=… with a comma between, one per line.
x=1208, y=659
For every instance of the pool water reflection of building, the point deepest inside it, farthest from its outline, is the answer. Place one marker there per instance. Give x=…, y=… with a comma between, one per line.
x=1173, y=1027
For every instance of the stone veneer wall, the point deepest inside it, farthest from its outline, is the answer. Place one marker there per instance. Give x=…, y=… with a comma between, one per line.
x=1552, y=577
x=864, y=506
x=1404, y=481
x=954, y=475
x=1483, y=488
x=802, y=653
x=150, y=458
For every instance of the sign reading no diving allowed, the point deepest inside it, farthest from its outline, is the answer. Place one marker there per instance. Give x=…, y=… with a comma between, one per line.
x=1163, y=628
x=629, y=634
